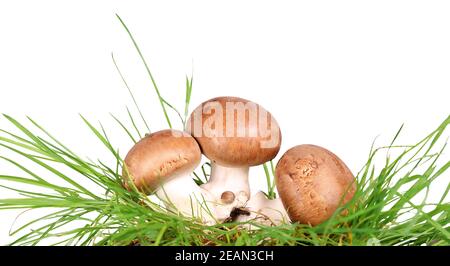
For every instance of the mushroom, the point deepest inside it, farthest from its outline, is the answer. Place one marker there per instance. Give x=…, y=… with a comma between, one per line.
x=161, y=163
x=234, y=134
x=312, y=183
x=261, y=210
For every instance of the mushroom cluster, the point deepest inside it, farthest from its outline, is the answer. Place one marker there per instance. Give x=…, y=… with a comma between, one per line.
x=236, y=134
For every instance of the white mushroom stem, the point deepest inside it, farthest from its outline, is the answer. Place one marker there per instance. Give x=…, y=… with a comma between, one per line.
x=265, y=211
x=183, y=195
x=225, y=180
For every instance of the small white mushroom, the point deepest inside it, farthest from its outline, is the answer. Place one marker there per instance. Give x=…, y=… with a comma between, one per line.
x=262, y=210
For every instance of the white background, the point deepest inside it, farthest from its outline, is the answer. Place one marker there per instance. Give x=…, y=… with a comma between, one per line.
x=333, y=73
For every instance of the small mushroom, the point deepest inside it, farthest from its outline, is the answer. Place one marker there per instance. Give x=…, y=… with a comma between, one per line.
x=234, y=134
x=161, y=163
x=312, y=183
x=261, y=210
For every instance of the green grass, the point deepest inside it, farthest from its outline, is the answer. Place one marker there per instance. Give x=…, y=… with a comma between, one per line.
x=89, y=206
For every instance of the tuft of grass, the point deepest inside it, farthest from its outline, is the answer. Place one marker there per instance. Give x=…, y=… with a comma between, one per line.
x=89, y=206
x=116, y=216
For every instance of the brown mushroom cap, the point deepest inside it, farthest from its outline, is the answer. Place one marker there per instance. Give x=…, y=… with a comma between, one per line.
x=235, y=150
x=311, y=182
x=160, y=157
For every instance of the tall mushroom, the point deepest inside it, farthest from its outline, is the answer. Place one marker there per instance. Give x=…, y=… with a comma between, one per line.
x=313, y=182
x=234, y=134
x=161, y=163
